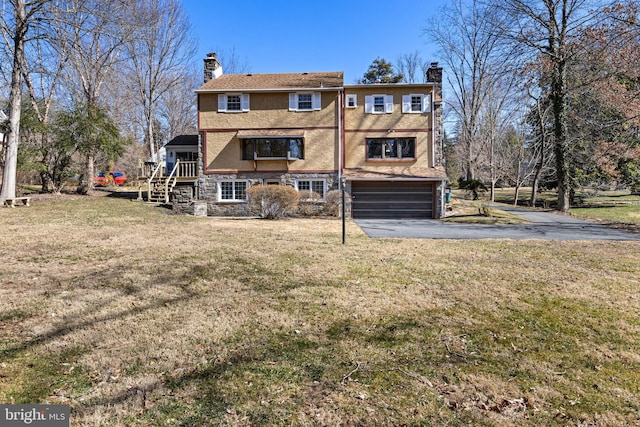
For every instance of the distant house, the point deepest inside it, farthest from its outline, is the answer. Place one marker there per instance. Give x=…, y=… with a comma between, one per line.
x=309, y=131
x=181, y=148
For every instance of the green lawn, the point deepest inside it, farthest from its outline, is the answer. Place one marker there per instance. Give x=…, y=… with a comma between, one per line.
x=612, y=207
x=137, y=317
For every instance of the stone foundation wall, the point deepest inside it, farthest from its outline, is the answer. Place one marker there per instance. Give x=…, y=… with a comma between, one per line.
x=183, y=197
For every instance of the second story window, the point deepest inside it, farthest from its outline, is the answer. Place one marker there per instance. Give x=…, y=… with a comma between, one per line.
x=304, y=101
x=233, y=103
x=378, y=104
x=416, y=103
x=391, y=149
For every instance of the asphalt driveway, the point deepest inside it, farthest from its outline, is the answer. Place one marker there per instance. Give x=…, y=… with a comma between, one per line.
x=544, y=225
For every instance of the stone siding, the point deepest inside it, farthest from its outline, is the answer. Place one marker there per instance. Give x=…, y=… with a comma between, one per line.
x=208, y=189
x=182, y=199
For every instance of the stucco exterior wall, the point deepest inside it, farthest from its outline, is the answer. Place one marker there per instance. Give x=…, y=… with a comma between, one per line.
x=223, y=153
x=360, y=125
x=269, y=111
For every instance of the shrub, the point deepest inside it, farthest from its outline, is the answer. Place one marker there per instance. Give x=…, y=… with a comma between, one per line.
x=332, y=202
x=272, y=201
x=309, y=203
x=474, y=187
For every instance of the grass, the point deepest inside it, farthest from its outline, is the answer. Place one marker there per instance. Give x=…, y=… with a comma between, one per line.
x=136, y=317
x=615, y=208
x=477, y=212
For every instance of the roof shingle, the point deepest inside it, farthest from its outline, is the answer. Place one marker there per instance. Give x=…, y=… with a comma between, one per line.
x=275, y=81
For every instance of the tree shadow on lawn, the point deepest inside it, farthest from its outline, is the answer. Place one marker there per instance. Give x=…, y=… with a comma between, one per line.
x=30, y=353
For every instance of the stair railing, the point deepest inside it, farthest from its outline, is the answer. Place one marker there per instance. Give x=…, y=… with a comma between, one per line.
x=157, y=171
x=171, y=180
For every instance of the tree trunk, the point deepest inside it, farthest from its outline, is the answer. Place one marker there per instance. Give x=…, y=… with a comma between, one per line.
x=153, y=152
x=15, y=105
x=534, y=187
x=86, y=184
x=45, y=181
x=560, y=148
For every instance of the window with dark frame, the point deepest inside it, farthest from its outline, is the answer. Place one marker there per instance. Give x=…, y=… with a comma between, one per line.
x=233, y=103
x=416, y=103
x=304, y=101
x=391, y=148
x=272, y=148
x=378, y=104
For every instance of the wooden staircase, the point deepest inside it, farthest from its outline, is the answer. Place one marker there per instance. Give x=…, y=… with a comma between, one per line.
x=159, y=189
x=159, y=184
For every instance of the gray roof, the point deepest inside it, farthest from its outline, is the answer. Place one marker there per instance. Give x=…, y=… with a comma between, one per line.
x=183, y=140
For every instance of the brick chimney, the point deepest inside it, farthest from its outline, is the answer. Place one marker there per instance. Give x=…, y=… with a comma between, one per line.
x=434, y=73
x=212, y=68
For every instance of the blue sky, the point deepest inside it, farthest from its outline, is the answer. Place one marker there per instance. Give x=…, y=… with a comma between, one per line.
x=279, y=36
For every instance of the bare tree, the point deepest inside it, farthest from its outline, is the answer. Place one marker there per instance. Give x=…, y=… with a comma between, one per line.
x=409, y=64
x=43, y=70
x=92, y=38
x=178, y=104
x=499, y=115
x=545, y=30
x=159, y=58
x=15, y=29
x=469, y=45
x=540, y=135
x=231, y=61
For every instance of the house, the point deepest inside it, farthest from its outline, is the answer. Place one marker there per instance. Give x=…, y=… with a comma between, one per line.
x=310, y=131
x=391, y=159
x=181, y=148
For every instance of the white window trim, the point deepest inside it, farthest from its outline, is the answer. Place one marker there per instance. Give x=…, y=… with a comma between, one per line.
x=425, y=100
x=234, y=200
x=324, y=186
x=223, y=99
x=369, y=106
x=316, y=101
x=355, y=101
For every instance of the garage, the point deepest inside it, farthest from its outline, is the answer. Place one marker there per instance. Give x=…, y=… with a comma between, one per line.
x=392, y=199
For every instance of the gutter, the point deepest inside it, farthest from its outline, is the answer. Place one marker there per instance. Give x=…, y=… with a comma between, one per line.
x=265, y=90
